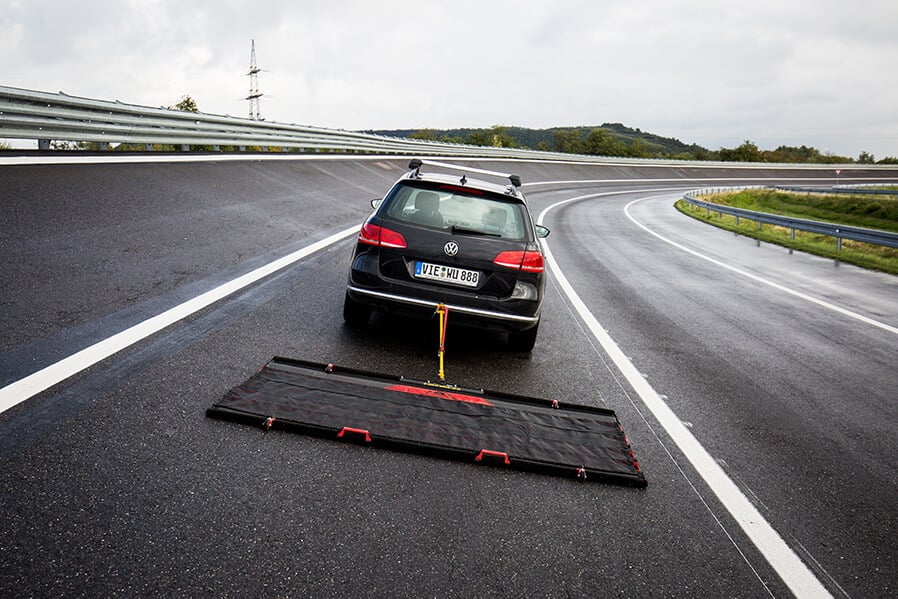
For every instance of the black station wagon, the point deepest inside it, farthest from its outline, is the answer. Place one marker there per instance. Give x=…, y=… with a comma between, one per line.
x=447, y=239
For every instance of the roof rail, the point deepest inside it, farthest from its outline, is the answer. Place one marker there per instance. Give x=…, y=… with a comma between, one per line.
x=416, y=163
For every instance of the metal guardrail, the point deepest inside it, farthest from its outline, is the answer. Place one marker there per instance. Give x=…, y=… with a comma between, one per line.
x=838, y=189
x=46, y=117
x=840, y=232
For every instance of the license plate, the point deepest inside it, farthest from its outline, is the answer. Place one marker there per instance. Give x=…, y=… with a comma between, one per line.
x=447, y=274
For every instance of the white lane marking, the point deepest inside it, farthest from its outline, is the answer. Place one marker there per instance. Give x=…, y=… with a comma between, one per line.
x=794, y=573
x=756, y=278
x=29, y=386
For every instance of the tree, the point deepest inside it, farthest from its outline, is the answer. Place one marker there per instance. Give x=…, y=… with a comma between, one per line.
x=866, y=158
x=600, y=142
x=568, y=141
x=639, y=149
x=501, y=138
x=424, y=134
x=747, y=152
x=699, y=153
x=496, y=137
x=187, y=104
x=480, y=137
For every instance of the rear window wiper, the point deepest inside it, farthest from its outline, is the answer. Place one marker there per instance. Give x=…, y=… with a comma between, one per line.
x=457, y=229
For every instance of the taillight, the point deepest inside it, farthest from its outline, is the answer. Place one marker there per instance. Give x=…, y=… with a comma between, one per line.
x=381, y=236
x=529, y=261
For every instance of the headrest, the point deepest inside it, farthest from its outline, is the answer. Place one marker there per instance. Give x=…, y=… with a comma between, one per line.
x=427, y=201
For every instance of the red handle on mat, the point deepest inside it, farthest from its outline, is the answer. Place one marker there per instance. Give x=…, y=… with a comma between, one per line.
x=358, y=431
x=495, y=454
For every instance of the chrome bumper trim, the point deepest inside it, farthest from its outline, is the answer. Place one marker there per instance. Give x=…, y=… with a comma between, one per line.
x=452, y=308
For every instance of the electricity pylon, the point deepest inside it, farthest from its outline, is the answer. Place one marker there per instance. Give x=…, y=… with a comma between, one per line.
x=255, y=111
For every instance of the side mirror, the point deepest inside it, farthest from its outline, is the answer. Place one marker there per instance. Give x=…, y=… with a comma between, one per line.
x=541, y=231
x=376, y=202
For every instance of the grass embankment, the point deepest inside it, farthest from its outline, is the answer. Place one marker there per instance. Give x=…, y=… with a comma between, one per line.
x=869, y=211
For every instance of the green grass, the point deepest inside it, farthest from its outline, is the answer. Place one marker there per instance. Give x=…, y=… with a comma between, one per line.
x=872, y=212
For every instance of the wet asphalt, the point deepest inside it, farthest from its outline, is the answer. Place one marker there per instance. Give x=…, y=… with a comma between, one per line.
x=116, y=484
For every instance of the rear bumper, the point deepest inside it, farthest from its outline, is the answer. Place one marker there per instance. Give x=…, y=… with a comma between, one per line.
x=413, y=305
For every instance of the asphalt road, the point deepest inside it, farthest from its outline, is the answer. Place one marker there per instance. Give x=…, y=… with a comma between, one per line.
x=116, y=484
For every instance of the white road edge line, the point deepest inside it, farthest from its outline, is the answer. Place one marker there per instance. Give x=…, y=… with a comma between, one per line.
x=758, y=279
x=29, y=386
x=793, y=572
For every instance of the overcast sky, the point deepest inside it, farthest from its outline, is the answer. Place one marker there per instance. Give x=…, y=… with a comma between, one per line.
x=822, y=73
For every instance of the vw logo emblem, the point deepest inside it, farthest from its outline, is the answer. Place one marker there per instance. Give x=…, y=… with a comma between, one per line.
x=451, y=248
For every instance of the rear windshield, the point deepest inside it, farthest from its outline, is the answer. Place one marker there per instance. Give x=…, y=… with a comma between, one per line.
x=451, y=207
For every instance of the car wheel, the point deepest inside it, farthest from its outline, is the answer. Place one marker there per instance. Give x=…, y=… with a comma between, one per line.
x=523, y=341
x=354, y=313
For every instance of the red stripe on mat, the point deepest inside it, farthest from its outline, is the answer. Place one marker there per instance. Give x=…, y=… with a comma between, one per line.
x=439, y=394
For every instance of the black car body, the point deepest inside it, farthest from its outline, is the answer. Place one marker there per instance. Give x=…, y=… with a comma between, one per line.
x=443, y=239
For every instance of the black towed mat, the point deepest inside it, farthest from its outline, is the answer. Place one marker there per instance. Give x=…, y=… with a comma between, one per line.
x=452, y=422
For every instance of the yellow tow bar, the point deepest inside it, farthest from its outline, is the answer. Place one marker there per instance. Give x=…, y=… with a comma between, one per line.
x=443, y=312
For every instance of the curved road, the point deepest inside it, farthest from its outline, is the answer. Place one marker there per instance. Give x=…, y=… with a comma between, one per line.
x=779, y=365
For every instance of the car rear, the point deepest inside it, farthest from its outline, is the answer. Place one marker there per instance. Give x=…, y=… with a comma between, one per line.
x=441, y=241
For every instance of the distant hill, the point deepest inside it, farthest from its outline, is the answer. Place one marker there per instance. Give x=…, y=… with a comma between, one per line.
x=669, y=145
x=619, y=141
x=616, y=139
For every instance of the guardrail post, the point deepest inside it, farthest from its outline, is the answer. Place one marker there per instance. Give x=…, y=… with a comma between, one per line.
x=43, y=144
x=838, y=241
x=185, y=147
x=792, y=233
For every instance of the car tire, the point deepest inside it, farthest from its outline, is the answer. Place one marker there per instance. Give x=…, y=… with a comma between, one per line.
x=354, y=313
x=523, y=341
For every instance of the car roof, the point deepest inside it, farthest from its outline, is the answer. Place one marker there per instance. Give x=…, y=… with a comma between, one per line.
x=457, y=182
x=463, y=180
